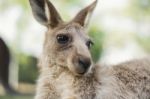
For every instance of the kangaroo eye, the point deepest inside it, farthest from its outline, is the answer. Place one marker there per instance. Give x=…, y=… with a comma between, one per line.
x=89, y=43
x=62, y=38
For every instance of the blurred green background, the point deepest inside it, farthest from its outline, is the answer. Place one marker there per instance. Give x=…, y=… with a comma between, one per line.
x=120, y=30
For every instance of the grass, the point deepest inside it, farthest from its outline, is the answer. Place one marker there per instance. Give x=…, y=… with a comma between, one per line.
x=16, y=97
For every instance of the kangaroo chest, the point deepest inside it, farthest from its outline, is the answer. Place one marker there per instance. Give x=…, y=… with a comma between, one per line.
x=68, y=87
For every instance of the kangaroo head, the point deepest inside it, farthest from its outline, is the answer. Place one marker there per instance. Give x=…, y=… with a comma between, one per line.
x=67, y=44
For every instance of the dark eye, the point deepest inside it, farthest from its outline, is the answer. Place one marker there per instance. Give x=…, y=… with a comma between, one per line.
x=89, y=43
x=62, y=38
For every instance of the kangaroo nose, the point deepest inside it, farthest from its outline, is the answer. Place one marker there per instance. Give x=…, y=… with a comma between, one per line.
x=85, y=63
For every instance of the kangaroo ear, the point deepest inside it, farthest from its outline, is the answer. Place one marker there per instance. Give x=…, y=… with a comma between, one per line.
x=84, y=15
x=45, y=13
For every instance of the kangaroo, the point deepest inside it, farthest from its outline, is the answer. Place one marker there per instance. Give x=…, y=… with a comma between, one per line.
x=66, y=67
x=4, y=68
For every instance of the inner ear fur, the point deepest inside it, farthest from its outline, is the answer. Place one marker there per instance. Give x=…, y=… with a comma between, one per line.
x=84, y=15
x=45, y=13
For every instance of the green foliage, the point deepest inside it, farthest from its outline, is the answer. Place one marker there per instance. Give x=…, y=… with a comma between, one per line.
x=98, y=37
x=24, y=3
x=139, y=9
x=143, y=5
x=70, y=2
x=140, y=12
x=27, y=68
x=6, y=4
x=144, y=43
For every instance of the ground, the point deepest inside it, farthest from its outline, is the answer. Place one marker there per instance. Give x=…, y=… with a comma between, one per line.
x=23, y=88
